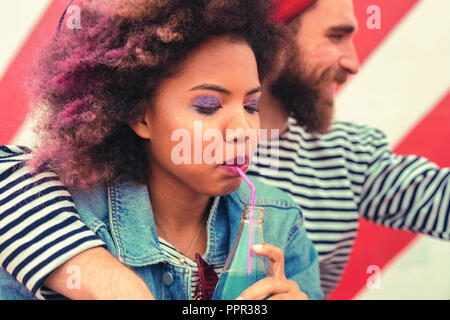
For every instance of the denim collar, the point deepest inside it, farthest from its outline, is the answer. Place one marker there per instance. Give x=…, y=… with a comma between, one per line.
x=134, y=232
x=133, y=228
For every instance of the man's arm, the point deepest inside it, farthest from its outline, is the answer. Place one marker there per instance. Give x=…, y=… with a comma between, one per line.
x=96, y=275
x=406, y=192
x=41, y=235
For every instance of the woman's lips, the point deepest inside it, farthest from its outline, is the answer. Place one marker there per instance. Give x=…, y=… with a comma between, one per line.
x=241, y=162
x=233, y=170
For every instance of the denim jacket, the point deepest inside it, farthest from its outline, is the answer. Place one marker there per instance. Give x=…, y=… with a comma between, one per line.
x=121, y=215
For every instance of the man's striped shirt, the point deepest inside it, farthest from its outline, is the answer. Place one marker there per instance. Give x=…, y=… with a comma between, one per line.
x=349, y=173
x=40, y=228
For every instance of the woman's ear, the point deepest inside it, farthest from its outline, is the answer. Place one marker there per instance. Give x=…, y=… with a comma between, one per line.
x=142, y=127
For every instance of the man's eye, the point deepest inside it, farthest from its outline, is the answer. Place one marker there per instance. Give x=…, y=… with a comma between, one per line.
x=207, y=110
x=336, y=37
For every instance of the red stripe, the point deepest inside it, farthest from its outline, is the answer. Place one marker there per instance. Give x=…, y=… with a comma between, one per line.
x=431, y=136
x=13, y=96
x=366, y=40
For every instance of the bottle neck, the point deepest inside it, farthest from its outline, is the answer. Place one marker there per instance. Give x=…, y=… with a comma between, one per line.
x=256, y=212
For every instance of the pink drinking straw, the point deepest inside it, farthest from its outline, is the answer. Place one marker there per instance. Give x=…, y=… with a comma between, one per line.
x=252, y=217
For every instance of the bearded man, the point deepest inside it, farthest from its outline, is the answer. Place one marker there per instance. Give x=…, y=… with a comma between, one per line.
x=338, y=171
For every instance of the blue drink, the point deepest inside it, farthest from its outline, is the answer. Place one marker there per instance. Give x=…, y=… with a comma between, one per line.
x=232, y=284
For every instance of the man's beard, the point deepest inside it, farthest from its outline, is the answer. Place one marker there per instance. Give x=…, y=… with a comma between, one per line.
x=307, y=99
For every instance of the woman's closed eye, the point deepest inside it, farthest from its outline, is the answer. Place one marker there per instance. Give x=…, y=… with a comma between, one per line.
x=210, y=104
x=207, y=104
x=207, y=110
x=252, y=106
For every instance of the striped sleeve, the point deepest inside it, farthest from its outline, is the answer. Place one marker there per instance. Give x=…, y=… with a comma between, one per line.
x=40, y=228
x=405, y=192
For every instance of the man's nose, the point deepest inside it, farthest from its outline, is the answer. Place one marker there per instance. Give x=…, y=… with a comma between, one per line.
x=349, y=60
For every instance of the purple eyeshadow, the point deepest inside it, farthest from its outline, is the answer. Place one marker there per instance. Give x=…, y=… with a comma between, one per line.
x=207, y=101
x=253, y=102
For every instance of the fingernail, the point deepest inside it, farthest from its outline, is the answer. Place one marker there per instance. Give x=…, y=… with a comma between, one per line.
x=258, y=247
x=240, y=298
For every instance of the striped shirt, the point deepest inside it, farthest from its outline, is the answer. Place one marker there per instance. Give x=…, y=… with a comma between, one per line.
x=173, y=256
x=39, y=225
x=350, y=173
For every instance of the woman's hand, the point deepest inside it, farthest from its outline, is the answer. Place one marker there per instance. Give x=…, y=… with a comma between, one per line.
x=275, y=284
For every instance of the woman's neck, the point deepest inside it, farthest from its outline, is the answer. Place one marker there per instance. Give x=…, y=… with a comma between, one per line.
x=176, y=207
x=179, y=213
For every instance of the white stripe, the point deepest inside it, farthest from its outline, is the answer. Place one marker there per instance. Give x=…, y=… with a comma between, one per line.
x=15, y=175
x=23, y=209
x=421, y=271
x=17, y=20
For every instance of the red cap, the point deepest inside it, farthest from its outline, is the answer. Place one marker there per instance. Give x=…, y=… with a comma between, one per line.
x=286, y=10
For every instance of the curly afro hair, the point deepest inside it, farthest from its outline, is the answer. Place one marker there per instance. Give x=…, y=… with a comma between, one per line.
x=93, y=81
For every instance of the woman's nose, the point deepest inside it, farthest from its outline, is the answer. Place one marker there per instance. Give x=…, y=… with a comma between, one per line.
x=241, y=134
x=239, y=128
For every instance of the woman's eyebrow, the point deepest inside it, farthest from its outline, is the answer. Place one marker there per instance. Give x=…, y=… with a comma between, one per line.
x=212, y=87
x=216, y=88
x=253, y=91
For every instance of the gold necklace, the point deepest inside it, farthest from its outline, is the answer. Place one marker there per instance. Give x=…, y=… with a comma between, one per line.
x=181, y=256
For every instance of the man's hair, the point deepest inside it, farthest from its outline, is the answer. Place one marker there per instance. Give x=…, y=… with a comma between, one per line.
x=91, y=82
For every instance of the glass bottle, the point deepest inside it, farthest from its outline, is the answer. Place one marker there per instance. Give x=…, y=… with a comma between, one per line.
x=235, y=277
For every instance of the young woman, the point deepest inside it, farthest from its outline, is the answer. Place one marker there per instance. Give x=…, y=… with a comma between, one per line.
x=110, y=97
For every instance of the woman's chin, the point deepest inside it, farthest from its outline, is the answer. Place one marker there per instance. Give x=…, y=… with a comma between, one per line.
x=223, y=187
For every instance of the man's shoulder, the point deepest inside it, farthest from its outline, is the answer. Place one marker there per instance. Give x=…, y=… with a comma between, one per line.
x=355, y=129
x=341, y=132
x=13, y=157
x=13, y=150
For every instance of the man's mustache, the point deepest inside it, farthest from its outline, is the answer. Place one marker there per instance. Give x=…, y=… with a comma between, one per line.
x=332, y=75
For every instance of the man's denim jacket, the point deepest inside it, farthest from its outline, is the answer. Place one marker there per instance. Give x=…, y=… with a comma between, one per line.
x=121, y=216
